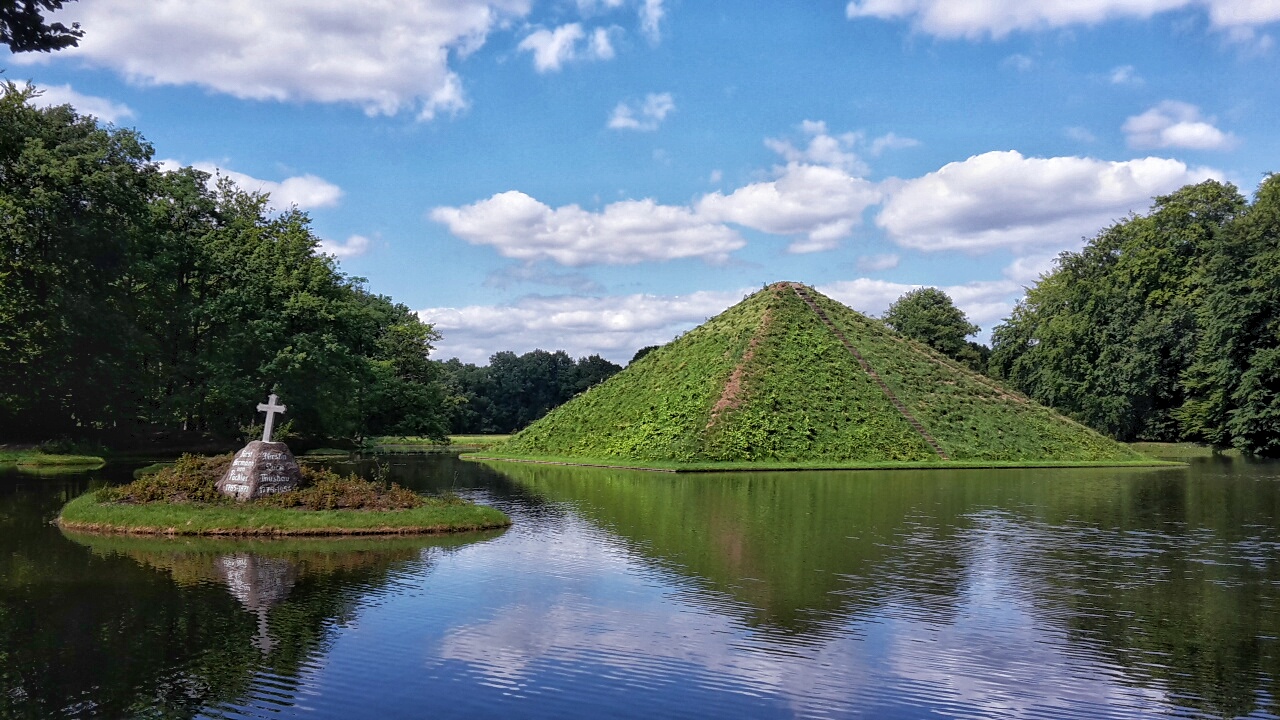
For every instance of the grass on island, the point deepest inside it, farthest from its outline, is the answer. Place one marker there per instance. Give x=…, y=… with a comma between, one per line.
x=454, y=443
x=1182, y=450
x=183, y=500
x=768, y=384
x=766, y=466
x=35, y=457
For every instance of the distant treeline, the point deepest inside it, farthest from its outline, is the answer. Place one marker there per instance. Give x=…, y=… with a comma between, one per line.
x=514, y=390
x=138, y=304
x=1164, y=327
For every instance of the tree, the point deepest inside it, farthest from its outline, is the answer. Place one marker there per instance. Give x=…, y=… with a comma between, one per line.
x=1234, y=383
x=928, y=315
x=514, y=390
x=1109, y=334
x=24, y=29
x=643, y=351
x=74, y=216
x=136, y=302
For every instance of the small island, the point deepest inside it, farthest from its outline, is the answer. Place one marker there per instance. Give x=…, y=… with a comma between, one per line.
x=183, y=500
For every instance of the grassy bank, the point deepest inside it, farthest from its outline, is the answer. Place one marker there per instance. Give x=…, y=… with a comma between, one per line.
x=1181, y=450
x=456, y=443
x=39, y=458
x=762, y=466
x=85, y=513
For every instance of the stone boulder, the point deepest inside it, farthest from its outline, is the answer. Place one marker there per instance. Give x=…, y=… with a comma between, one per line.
x=261, y=468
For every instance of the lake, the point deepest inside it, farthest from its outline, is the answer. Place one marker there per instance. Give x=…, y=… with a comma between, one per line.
x=980, y=594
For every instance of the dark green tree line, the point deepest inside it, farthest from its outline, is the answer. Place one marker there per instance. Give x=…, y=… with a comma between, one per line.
x=514, y=390
x=1164, y=327
x=136, y=302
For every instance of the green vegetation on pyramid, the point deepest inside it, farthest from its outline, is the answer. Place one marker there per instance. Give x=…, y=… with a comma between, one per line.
x=771, y=381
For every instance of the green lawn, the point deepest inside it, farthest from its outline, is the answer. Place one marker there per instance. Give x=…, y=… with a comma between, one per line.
x=86, y=513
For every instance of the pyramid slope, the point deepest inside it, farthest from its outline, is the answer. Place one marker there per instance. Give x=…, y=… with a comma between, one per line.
x=771, y=380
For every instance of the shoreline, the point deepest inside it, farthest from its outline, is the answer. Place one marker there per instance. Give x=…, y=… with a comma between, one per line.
x=712, y=467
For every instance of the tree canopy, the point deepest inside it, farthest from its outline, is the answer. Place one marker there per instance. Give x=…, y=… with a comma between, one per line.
x=24, y=29
x=514, y=390
x=136, y=302
x=1165, y=326
x=928, y=315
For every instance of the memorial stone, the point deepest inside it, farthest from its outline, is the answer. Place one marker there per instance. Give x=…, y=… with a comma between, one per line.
x=263, y=467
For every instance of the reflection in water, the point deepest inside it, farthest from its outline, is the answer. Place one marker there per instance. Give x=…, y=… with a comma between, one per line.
x=993, y=594
x=258, y=583
x=1124, y=590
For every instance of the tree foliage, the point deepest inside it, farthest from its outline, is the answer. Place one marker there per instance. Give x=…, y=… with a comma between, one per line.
x=24, y=29
x=514, y=390
x=1164, y=327
x=928, y=315
x=135, y=301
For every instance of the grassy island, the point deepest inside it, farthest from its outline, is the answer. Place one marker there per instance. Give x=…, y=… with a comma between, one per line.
x=791, y=379
x=183, y=500
x=40, y=458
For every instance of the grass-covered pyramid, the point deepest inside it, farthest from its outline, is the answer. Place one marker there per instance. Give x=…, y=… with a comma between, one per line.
x=791, y=377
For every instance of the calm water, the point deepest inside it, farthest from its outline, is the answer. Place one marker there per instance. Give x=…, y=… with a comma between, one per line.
x=984, y=594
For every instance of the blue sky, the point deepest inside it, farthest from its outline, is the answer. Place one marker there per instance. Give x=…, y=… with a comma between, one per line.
x=599, y=175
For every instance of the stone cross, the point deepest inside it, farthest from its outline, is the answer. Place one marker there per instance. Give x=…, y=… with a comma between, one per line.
x=270, y=408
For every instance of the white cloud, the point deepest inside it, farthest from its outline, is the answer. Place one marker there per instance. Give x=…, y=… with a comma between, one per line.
x=651, y=14
x=1027, y=270
x=1080, y=134
x=308, y=192
x=1002, y=199
x=1175, y=124
x=1248, y=40
x=891, y=141
x=355, y=246
x=588, y=7
x=382, y=55
x=646, y=117
x=822, y=203
x=998, y=18
x=551, y=49
x=1125, y=75
x=1019, y=62
x=716, y=177
x=819, y=203
x=614, y=327
x=600, y=47
x=876, y=263
x=822, y=148
x=99, y=107
x=626, y=232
